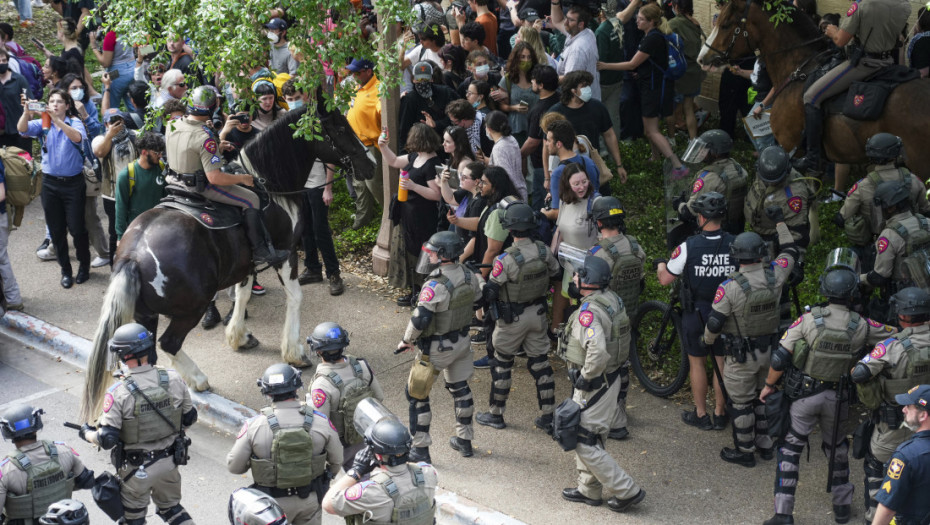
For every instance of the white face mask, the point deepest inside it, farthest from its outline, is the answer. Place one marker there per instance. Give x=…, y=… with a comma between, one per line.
x=77, y=94
x=273, y=37
x=296, y=104
x=482, y=71
x=585, y=94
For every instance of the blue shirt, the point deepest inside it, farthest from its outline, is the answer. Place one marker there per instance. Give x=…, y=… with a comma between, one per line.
x=60, y=157
x=907, y=481
x=589, y=167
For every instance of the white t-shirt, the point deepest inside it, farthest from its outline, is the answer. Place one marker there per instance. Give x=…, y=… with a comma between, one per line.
x=417, y=54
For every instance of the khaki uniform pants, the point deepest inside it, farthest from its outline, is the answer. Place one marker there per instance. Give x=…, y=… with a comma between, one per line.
x=457, y=367
x=162, y=486
x=305, y=511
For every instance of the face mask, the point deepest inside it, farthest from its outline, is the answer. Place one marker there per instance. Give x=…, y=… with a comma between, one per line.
x=297, y=104
x=4, y=68
x=273, y=37
x=573, y=291
x=482, y=71
x=476, y=104
x=526, y=65
x=585, y=94
x=77, y=94
x=425, y=89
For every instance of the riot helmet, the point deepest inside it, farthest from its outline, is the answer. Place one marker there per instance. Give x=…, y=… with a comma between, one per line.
x=594, y=272
x=442, y=246
x=843, y=258
x=773, y=165
x=249, y=506
x=20, y=421
x=911, y=301
x=715, y=142
x=279, y=379
x=883, y=147
x=891, y=194
x=710, y=205
x=202, y=101
x=609, y=211
x=518, y=218
x=330, y=339
x=748, y=246
x=66, y=512
x=132, y=341
x=839, y=283
x=390, y=439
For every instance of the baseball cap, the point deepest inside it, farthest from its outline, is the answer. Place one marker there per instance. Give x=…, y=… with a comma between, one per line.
x=113, y=113
x=423, y=71
x=919, y=395
x=528, y=14
x=276, y=23
x=359, y=64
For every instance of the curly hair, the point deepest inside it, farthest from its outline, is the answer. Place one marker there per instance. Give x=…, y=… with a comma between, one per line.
x=422, y=139
x=152, y=141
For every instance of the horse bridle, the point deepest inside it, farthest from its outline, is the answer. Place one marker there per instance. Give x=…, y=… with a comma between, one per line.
x=740, y=29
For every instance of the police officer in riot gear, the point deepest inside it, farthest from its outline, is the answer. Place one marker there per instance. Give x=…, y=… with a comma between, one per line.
x=194, y=162
x=439, y=328
x=516, y=294
x=66, y=512
x=814, y=355
x=627, y=270
x=745, y=315
x=339, y=383
x=49, y=468
x=722, y=175
x=702, y=262
x=144, y=415
x=891, y=368
x=250, y=506
x=777, y=184
x=291, y=449
x=398, y=492
x=596, y=340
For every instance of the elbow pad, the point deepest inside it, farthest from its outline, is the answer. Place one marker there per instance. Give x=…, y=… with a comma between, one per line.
x=781, y=358
x=189, y=418
x=107, y=437
x=684, y=213
x=84, y=480
x=715, y=322
x=422, y=317
x=491, y=292
x=839, y=221
x=860, y=374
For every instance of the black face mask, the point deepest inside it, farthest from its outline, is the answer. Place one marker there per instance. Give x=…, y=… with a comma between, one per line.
x=4, y=68
x=573, y=291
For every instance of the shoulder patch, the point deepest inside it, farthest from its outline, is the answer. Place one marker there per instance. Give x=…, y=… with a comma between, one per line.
x=719, y=295
x=852, y=9
x=586, y=318
x=677, y=252
x=875, y=324
x=795, y=204
x=895, y=468
x=878, y=352
x=107, y=402
x=243, y=430
x=355, y=491
x=781, y=261
x=797, y=322
x=853, y=189
x=882, y=244
x=589, y=333
x=210, y=146
x=698, y=184
x=498, y=268
x=317, y=397
x=426, y=294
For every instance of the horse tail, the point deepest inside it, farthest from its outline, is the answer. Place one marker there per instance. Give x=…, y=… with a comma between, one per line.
x=119, y=306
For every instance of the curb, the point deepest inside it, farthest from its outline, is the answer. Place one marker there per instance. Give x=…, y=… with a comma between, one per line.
x=218, y=411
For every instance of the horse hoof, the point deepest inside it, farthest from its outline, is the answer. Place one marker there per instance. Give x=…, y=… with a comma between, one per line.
x=304, y=362
x=250, y=342
x=202, y=386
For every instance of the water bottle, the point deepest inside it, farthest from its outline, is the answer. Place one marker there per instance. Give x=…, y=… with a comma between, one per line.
x=401, y=192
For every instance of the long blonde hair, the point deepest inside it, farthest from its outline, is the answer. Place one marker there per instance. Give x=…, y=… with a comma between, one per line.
x=530, y=35
x=653, y=13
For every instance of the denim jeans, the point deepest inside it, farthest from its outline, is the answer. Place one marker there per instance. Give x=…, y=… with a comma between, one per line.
x=25, y=9
x=119, y=87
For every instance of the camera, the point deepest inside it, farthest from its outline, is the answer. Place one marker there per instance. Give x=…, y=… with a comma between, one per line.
x=36, y=106
x=147, y=50
x=244, y=119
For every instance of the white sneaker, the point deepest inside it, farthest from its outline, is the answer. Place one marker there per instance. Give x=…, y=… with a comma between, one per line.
x=99, y=261
x=45, y=255
x=38, y=4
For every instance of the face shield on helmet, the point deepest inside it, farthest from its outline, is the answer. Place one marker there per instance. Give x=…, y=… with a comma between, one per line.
x=843, y=258
x=248, y=506
x=429, y=259
x=570, y=257
x=697, y=151
x=368, y=412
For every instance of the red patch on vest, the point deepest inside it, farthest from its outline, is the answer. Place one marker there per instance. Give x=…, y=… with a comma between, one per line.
x=781, y=261
x=586, y=318
x=245, y=428
x=318, y=397
x=210, y=146
x=858, y=100
x=354, y=492
x=698, y=184
x=719, y=295
x=795, y=204
x=882, y=244
x=677, y=252
x=852, y=9
x=851, y=190
x=875, y=324
x=878, y=352
x=107, y=402
x=426, y=294
x=797, y=322
x=207, y=218
x=498, y=268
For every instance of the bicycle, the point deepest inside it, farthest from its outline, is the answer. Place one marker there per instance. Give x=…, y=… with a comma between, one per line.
x=657, y=357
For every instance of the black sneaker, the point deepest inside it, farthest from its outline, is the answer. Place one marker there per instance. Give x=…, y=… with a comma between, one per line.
x=691, y=418
x=491, y=420
x=462, y=445
x=418, y=454
x=720, y=421
x=309, y=276
x=336, y=286
x=621, y=505
x=841, y=513
x=544, y=422
x=767, y=454
x=480, y=337
x=618, y=434
x=573, y=494
x=780, y=519
x=211, y=318
x=732, y=455
x=406, y=300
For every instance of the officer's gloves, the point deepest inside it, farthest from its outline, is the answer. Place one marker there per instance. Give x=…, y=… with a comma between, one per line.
x=364, y=461
x=657, y=262
x=775, y=213
x=578, y=381
x=85, y=428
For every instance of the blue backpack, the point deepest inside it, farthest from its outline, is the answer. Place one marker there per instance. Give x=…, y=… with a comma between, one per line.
x=32, y=72
x=677, y=66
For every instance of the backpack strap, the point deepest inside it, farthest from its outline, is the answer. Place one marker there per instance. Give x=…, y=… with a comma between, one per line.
x=356, y=367
x=542, y=250
x=417, y=471
x=383, y=479
x=22, y=461
x=741, y=281
x=272, y=418
x=132, y=176
x=308, y=418
x=770, y=276
x=163, y=380
x=901, y=230
x=853, y=326
x=874, y=177
x=336, y=380
x=817, y=314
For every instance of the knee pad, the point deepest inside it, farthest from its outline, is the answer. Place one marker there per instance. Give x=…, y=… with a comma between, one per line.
x=458, y=389
x=873, y=467
x=134, y=521
x=174, y=515
x=539, y=366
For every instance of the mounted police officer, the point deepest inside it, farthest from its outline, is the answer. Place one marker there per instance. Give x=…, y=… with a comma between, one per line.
x=891, y=368
x=292, y=450
x=702, y=262
x=814, y=356
x=723, y=175
x=144, y=416
x=745, y=316
x=627, y=272
x=396, y=492
x=249, y=506
x=339, y=383
x=877, y=25
x=778, y=185
x=439, y=327
x=66, y=512
x=859, y=217
x=39, y=473
x=194, y=162
x=516, y=295
x=594, y=341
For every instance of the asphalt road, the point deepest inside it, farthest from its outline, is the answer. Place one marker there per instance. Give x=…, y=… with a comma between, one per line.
x=518, y=471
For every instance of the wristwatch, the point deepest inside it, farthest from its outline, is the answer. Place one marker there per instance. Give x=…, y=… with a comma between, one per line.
x=353, y=474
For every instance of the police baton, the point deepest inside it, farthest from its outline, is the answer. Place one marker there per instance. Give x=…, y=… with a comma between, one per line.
x=75, y=426
x=713, y=362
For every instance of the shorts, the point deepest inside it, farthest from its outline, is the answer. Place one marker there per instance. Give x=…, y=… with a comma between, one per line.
x=654, y=103
x=692, y=329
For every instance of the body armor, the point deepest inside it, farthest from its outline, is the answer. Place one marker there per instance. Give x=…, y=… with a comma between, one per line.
x=292, y=462
x=914, y=268
x=759, y=316
x=46, y=484
x=532, y=280
x=350, y=393
x=861, y=229
x=626, y=272
x=146, y=425
x=618, y=340
x=915, y=363
x=460, y=311
x=413, y=508
x=737, y=186
x=832, y=355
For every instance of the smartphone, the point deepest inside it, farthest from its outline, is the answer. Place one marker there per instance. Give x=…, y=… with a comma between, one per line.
x=37, y=42
x=114, y=74
x=147, y=50
x=524, y=103
x=36, y=106
x=453, y=176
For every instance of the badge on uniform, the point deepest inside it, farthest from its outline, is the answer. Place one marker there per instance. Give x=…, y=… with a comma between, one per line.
x=852, y=190
x=895, y=468
x=797, y=322
x=426, y=295
x=107, y=402
x=317, y=397
x=498, y=268
x=589, y=333
x=355, y=491
x=586, y=318
x=781, y=261
x=882, y=244
x=795, y=204
x=878, y=352
x=875, y=324
x=210, y=146
x=677, y=252
x=698, y=184
x=719, y=295
x=852, y=9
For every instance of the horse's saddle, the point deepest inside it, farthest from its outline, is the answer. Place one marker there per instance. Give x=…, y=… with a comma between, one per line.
x=211, y=215
x=864, y=100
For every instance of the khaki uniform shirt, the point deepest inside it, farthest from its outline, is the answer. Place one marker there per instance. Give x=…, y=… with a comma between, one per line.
x=506, y=269
x=324, y=396
x=190, y=146
x=859, y=197
x=890, y=355
x=13, y=480
x=369, y=498
x=835, y=316
x=435, y=297
x=890, y=246
x=793, y=199
x=877, y=23
x=592, y=329
x=118, y=403
x=709, y=180
x=255, y=437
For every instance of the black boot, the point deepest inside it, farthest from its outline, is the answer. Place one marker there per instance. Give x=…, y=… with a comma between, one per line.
x=813, y=130
x=211, y=318
x=262, y=249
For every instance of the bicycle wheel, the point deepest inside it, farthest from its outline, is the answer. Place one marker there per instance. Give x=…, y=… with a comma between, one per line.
x=656, y=355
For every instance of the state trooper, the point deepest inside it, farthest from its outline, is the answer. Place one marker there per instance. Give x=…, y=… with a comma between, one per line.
x=594, y=341
x=627, y=261
x=745, y=315
x=814, y=355
x=144, y=415
x=292, y=450
x=516, y=295
x=39, y=473
x=702, y=262
x=891, y=368
x=778, y=185
x=439, y=328
x=339, y=383
x=723, y=175
x=396, y=492
x=66, y=512
x=859, y=217
x=250, y=506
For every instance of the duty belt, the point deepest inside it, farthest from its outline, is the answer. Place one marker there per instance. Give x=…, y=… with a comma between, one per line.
x=275, y=492
x=451, y=336
x=138, y=457
x=882, y=55
x=890, y=414
x=800, y=385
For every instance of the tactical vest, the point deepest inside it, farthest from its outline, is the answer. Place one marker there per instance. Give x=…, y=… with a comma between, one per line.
x=532, y=280
x=832, y=355
x=737, y=186
x=626, y=272
x=460, y=310
x=292, y=462
x=759, y=315
x=618, y=339
x=413, y=508
x=876, y=178
x=914, y=268
x=916, y=366
x=350, y=394
x=146, y=425
x=708, y=264
x=46, y=483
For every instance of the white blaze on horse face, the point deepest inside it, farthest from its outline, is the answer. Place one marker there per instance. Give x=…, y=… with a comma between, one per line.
x=706, y=47
x=160, y=280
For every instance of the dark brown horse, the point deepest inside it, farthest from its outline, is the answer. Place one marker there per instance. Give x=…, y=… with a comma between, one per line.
x=788, y=50
x=169, y=264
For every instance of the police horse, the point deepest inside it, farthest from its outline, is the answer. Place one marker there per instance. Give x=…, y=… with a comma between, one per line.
x=792, y=51
x=172, y=263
